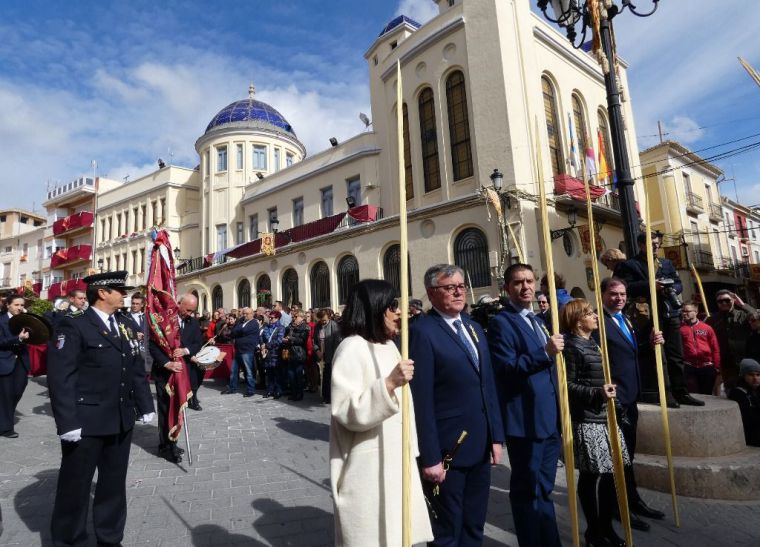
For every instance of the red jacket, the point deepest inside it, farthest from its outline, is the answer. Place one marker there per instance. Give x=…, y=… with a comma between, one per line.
x=700, y=345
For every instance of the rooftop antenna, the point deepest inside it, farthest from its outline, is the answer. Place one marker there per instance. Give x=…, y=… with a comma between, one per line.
x=126, y=178
x=171, y=156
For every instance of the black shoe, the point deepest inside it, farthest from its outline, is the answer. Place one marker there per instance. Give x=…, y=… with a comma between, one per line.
x=612, y=538
x=249, y=395
x=671, y=401
x=686, y=399
x=196, y=406
x=643, y=510
x=267, y=395
x=594, y=539
x=227, y=392
x=636, y=522
x=277, y=396
x=10, y=434
x=170, y=454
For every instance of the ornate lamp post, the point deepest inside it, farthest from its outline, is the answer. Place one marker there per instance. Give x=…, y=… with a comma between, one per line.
x=592, y=15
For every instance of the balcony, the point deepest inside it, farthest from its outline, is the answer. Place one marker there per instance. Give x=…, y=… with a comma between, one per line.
x=716, y=213
x=694, y=203
x=703, y=260
x=734, y=268
x=353, y=218
x=611, y=201
x=73, y=223
x=71, y=255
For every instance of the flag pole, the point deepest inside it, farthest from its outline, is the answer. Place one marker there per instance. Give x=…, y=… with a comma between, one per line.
x=406, y=457
x=618, y=468
x=658, y=357
x=187, y=436
x=564, y=405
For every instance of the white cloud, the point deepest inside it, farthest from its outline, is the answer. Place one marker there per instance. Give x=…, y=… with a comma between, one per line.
x=421, y=11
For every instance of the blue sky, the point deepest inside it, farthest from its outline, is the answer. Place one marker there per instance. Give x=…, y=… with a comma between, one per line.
x=124, y=83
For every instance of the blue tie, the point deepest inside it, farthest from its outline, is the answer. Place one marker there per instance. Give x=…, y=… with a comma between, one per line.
x=537, y=327
x=112, y=326
x=621, y=321
x=466, y=342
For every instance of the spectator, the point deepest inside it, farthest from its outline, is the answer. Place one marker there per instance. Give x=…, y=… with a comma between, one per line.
x=211, y=328
x=747, y=394
x=544, y=313
x=701, y=354
x=224, y=334
x=285, y=317
x=271, y=340
x=14, y=365
x=245, y=333
x=415, y=311
x=588, y=395
x=295, y=341
x=611, y=258
x=312, y=369
x=563, y=297
x=326, y=340
x=731, y=326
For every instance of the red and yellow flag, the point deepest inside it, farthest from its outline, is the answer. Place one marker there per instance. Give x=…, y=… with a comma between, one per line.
x=604, y=170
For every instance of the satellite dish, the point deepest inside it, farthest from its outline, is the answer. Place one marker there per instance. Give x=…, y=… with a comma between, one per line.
x=365, y=120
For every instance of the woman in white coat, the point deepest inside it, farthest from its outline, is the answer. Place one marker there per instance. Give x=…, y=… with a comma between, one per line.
x=365, y=430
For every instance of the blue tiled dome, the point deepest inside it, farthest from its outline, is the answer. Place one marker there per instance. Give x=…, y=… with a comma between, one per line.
x=401, y=19
x=251, y=113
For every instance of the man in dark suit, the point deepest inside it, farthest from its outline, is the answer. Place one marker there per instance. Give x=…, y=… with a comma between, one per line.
x=523, y=356
x=635, y=273
x=245, y=335
x=96, y=387
x=14, y=366
x=623, y=353
x=454, y=391
x=163, y=367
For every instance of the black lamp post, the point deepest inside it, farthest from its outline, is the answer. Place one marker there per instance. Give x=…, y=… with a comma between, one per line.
x=568, y=13
x=100, y=265
x=572, y=218
x=176, y=253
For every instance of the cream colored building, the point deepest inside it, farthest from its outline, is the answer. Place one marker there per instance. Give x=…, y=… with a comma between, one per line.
x=21, y=234
x=478, y=80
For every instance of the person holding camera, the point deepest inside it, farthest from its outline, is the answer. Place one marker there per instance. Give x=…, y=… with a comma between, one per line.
x=635, y=273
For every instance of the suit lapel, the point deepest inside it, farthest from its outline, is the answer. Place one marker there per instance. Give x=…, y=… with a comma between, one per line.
x=453, y=335
x=527, y=331
x=620, y=332
x=95, y=320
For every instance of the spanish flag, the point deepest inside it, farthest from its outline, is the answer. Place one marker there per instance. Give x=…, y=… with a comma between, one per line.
x=604, y=170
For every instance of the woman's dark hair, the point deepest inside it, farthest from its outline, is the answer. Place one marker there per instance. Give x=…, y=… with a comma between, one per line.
x=365, y=310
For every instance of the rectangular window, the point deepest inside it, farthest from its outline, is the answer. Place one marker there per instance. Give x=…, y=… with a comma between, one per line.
x=276, y=159
x=110, y=228
x=154, y=211
x=118, y=225
x=253, y=227
x=163, y=210
x=239, y=233
x=142, y=261
x=144, y=217
x=288, y=159
x=25, y=249
x=694, y=232
x=134, y=216
x=134, y=262
x=108, y=264
x=354, y=190
x=687, y=182
x=126, y=221
x=221, y=158
x=259, y=156
x=327, y=202
x=221, y=237
x=118, y=262
x=239, y=148
x=102, y=229
x=272, y=217
x=298, y=211
x=124, y=261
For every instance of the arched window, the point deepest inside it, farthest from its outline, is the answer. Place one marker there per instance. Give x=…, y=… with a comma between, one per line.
x=408, y=175
x=320, y=286
x=471, y=254
x=348, y=276
x=263, y=290
x=604, y=129
x=459, y=126
x=204, y=303
x=392, y=268
x=552, y=126
x=217, y=297
x=581, y=132
x=290, y=287
x=429, y=141
x=244, y=293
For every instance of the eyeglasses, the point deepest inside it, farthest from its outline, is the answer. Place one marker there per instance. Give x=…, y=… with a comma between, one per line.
x=588, y=313
x=450, y=289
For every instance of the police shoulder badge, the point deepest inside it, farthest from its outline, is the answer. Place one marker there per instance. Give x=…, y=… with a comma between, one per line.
x=61, y=341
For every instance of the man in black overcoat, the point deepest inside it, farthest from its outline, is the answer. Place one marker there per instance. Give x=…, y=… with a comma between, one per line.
x=97, y=388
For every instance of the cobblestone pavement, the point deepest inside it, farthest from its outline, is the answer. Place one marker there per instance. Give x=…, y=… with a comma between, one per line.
x=260, y=476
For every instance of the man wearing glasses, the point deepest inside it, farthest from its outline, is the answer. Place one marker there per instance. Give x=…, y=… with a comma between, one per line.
x=731, y=326
x=454, y=391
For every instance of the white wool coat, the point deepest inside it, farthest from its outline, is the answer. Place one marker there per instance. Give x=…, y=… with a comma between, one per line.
x=365, y=449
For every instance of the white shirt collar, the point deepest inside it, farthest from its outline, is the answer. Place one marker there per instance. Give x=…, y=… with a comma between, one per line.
x=103, y=316
x=449, y=319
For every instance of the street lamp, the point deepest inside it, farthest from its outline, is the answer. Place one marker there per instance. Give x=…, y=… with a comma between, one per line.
x=176, y=253
x=572, y=218
x=567, y=14
x=274, y=224
x=497, y=179
x=100, y=265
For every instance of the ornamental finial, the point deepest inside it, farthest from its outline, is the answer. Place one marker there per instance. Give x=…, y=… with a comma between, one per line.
x=251, y=90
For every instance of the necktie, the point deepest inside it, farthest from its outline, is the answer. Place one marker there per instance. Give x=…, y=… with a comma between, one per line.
x=621, y=321
x=466, y=342
x=112, y=327
x=537, y=327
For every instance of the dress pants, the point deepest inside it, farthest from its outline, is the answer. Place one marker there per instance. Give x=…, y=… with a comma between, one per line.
x=701, y=379
x=675, y=380
x=196, y=375
x=628, y=429
x=461, y=506
x=12, y=387
x=109, y=454
x=534, y=467
x=162, y=409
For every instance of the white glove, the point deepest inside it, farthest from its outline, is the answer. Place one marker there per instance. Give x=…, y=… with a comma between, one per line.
x=72, y=436
x=147, y=418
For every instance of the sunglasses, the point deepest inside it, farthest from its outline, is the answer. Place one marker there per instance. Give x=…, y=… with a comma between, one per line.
x=724, y=301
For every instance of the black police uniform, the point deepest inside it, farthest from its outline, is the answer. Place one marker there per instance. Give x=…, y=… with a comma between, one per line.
x=97, y=383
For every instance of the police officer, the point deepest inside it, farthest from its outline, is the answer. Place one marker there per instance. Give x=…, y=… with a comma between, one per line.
x=97, y=387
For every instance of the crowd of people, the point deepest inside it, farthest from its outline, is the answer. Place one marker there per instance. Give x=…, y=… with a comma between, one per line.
x=491, y=374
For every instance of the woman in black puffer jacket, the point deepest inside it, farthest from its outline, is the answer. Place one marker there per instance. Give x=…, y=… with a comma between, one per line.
x=588, y=396
x=295, y=341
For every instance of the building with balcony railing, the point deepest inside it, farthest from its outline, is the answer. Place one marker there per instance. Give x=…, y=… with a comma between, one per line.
x=21, y=234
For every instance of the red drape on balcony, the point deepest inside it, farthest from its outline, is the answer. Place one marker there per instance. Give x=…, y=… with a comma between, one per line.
x=77, y=252
x=565, y=184
x=77, y=220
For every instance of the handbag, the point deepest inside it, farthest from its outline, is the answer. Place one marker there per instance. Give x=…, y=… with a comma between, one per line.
x=285, y=354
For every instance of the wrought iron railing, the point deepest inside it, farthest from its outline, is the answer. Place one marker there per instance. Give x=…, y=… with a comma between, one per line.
x=716, y=212
x=694, y=201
